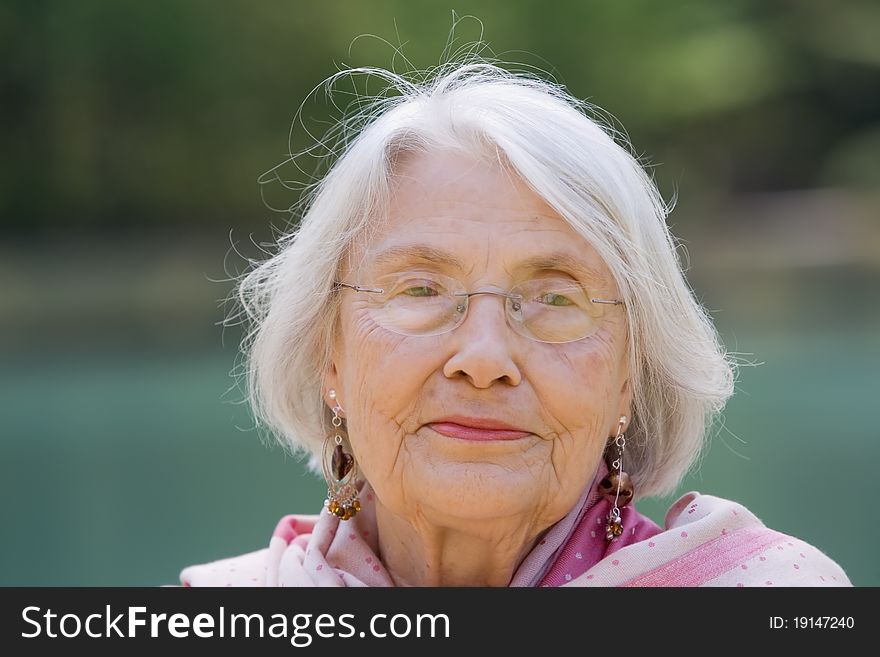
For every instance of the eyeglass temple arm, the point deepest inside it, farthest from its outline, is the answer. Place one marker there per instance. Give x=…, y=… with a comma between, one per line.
x=357, y=288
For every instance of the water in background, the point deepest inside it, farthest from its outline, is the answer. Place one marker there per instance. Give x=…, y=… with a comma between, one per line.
x=119, y=466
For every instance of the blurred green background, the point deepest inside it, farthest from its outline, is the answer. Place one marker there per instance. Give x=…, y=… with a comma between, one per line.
x=133, y=135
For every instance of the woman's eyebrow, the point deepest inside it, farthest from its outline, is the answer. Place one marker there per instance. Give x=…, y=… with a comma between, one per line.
x=562, y=261
x=415, y=252
x=404, y=253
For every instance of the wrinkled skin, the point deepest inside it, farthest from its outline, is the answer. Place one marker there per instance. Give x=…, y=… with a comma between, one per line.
x=464, y=512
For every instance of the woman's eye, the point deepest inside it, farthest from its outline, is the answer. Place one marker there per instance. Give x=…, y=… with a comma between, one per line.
x=420, y=291
x=553, y=299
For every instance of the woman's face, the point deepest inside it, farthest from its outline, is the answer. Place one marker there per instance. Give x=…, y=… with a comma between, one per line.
x=397, y=390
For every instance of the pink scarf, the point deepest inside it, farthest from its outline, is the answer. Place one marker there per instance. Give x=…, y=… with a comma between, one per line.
x=708, y=541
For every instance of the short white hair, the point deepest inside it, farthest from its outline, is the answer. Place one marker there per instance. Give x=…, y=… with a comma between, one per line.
x=680, y=373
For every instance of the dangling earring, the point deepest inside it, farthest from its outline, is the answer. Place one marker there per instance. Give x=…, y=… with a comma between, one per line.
x=616, y=486
x=340, y=470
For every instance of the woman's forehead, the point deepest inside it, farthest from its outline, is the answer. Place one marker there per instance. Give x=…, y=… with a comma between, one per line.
x=453, y=183
x=462, y=214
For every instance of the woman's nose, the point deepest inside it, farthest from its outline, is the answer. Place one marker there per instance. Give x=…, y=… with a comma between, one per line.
x=483, y=345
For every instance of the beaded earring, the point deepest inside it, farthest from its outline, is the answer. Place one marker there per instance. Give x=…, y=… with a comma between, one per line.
x=340, y=469
x=616, y=486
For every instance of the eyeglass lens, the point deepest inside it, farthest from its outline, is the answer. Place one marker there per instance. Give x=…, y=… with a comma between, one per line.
x=547, y=309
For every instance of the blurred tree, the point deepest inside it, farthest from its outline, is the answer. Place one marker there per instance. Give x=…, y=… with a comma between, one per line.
x=162, y=115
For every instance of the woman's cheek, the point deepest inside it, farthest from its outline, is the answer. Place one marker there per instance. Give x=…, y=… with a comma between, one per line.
x=387, y=358
x=579, y=384
x=366, y=346
x=385, y=375
x=575, y=377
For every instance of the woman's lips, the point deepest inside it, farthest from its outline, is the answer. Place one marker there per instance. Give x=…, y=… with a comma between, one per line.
x=464, y=432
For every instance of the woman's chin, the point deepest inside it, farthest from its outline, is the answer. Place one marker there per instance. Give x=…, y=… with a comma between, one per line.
x=474, y=491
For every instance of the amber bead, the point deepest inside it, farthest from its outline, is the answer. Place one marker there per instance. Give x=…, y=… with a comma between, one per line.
x=609, y=485
x=613, y=529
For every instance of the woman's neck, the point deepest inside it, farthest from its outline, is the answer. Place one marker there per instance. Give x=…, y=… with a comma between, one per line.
x=473, y=553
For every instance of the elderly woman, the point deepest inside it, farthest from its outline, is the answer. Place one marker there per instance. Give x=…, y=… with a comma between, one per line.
x=481, y=332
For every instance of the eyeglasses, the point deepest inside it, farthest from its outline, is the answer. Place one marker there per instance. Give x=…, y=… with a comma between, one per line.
x=547, y=309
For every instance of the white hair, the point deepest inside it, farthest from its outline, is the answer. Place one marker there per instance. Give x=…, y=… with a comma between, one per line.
x=680, y=374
